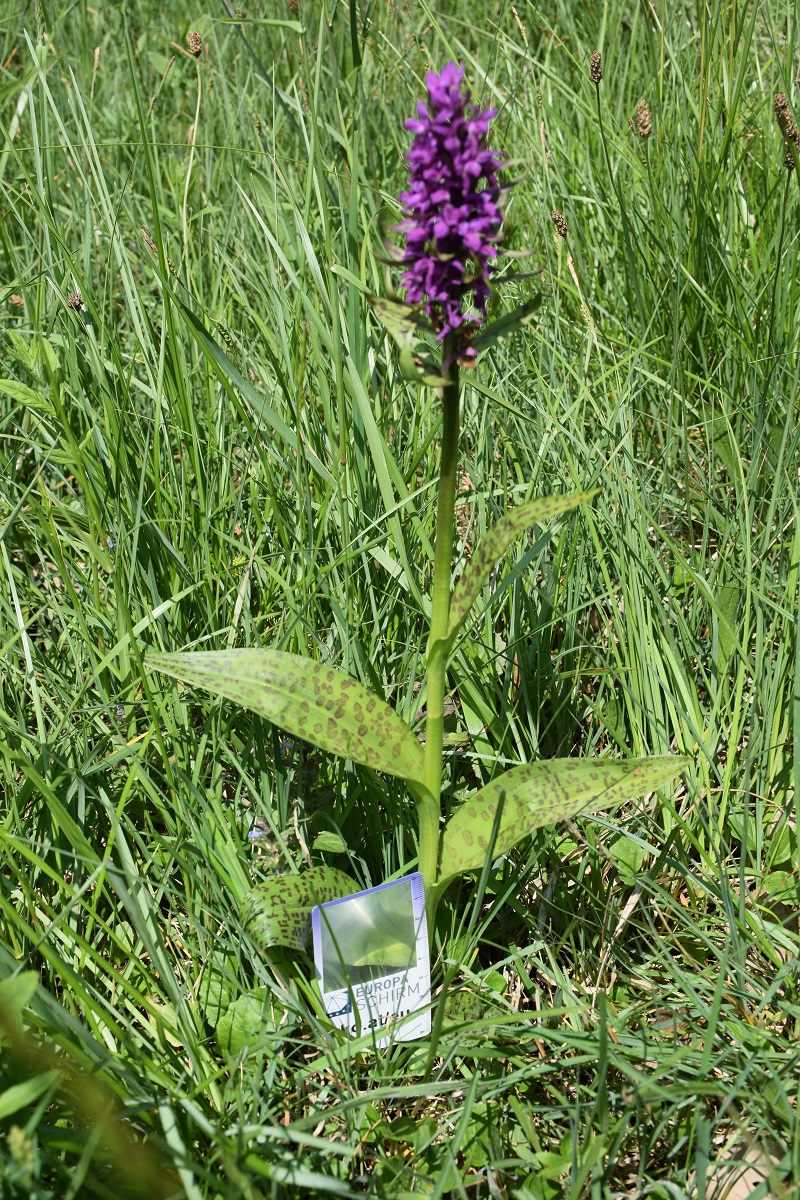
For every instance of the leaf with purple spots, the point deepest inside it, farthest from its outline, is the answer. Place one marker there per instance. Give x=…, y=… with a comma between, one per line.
x=308, y=700
x=543, y=793
x=278, y=912
x=404, y=323
x=492, y=547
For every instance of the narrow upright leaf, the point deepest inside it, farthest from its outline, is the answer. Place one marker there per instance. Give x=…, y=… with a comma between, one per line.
x=543, y=793
x=417, y=369
x=404, y=323
x=493, y=546
x=307, y=699
x=231, y=378
x=278, y=912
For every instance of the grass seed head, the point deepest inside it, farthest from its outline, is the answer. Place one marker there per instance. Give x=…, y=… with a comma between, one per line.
x=75, y=301
x=596, y=67
x=148, y=241
x=194, y=42
x=560, y=222
x=786, y=122
x=788, y=158
x=16, y=301
x=226, y=335
x=644, y=119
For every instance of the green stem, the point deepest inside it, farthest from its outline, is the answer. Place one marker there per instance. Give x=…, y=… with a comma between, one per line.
x=429, y=806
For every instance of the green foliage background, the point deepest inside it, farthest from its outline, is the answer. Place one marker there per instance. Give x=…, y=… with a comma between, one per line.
x=219, y=450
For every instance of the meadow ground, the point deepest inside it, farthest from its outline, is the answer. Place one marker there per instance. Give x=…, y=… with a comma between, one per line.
x=212, y=445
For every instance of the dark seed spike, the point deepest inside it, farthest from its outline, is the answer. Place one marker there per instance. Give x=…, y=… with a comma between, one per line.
x=644, y=119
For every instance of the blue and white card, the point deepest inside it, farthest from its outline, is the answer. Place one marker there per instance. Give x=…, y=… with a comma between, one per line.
x=373, y=961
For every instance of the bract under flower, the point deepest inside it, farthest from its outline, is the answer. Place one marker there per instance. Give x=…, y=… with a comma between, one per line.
x=452, y=216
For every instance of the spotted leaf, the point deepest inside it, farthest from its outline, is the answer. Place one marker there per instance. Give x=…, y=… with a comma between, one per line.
x=493, y=546
x=308, y=700
x=402, y=321
x=405, y=324
x=278, y=912
x=541, y=794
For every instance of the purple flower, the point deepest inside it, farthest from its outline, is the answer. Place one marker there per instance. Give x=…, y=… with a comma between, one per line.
x=452, y=217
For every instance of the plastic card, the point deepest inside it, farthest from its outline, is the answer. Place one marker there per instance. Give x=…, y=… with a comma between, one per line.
x=373, y=962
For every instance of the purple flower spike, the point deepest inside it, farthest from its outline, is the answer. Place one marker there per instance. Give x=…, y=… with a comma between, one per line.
x=452, y=216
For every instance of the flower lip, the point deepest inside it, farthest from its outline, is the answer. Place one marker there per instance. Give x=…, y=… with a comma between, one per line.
x=452, y=217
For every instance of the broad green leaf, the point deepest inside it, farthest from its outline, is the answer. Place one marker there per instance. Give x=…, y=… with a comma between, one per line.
x=401, y=1129
x=16, y=992
x=543, y=793
x=518, y=319
x=217, y=991
x=26, y=396
x=329, y=842
x=20, y=1095
x=244, y=1023
x=493, y=546
x=239, y=1026
x=628, y=854
x=728, y=601
x=278, y=912
x=308, y=700
x=395, y=957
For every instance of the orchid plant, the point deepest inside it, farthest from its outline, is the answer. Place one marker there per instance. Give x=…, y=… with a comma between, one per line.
x=452, y=224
